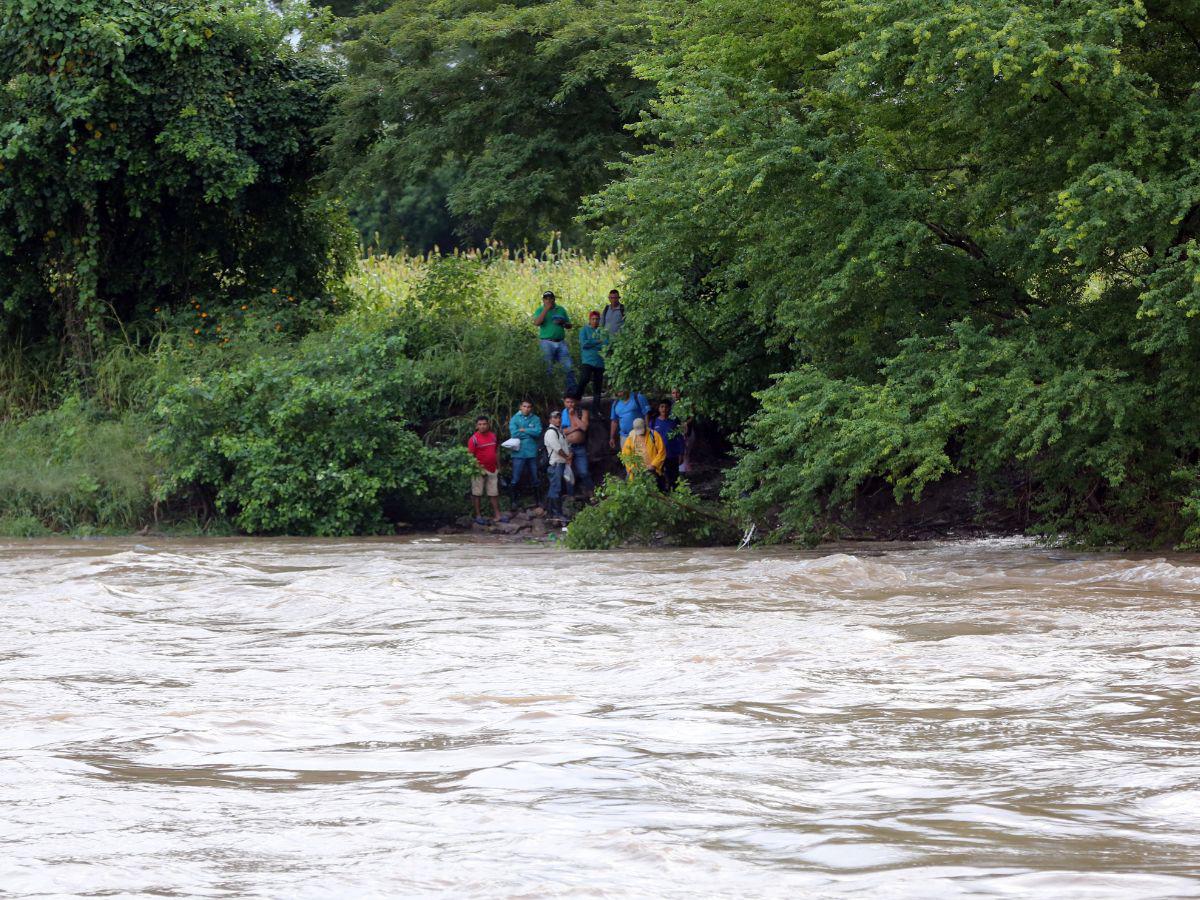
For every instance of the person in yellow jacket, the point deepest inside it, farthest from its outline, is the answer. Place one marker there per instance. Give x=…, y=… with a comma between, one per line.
x=644, y=449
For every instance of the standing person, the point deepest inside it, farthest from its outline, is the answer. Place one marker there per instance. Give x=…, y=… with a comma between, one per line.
x=552, y=322
x=559, y=453
x=668, y=429
x=484, y=444
x=613, y=316
x=593, y=341
x=644, y=449
x=688, y=428
x=528, y=428
x=627, y=407
x=575, y=424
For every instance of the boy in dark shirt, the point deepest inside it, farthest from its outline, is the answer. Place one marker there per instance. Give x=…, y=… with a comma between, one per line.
x=668, y=429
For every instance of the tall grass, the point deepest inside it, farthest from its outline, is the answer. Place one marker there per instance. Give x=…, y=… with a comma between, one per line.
x=76, y=469
x=487, y=358
x=515, y=279
x=27, y=380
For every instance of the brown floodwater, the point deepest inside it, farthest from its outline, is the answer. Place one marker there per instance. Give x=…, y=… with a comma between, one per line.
x=295, y=718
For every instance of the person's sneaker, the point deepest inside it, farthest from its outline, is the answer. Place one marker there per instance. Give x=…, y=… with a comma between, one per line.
x=480, y=520
x=504, y=518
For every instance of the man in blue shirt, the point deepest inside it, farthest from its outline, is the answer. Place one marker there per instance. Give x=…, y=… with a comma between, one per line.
x=627, y=407
x=593, y=341
x=527, y=427
x=668, y=429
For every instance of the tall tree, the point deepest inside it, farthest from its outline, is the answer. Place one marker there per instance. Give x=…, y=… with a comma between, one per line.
x=156, y=150
x=962, y=234
x=525, y=104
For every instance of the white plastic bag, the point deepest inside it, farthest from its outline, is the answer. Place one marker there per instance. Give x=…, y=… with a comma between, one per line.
x=512, y=444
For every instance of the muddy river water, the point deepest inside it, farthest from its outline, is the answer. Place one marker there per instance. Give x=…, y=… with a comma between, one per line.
x=433, y=718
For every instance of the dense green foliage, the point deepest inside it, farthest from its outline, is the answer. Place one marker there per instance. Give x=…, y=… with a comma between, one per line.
x=884, y=242
x=312, y=439
x=636, y=511
x=152, y=152
x=354, y=428
x=361, y=423
x=964, y=232
x=496, y=117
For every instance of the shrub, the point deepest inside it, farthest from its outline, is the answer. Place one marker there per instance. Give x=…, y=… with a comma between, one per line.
x=311, y=438
x=1096, y=456
x=23, y=526
x=477, y=353
x=636, y=511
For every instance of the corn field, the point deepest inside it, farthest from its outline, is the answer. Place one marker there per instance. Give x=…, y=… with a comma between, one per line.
x=514, y=278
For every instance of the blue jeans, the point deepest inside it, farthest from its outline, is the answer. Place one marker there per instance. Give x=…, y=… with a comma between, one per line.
x=579, y=462
x=556, y=480
x=557, y=352
x=522, y=465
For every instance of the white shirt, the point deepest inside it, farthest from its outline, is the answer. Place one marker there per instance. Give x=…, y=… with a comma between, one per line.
x=557, y=446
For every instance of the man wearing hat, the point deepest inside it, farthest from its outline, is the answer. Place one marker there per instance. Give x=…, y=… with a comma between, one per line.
x=552, y=322
x=644, y=449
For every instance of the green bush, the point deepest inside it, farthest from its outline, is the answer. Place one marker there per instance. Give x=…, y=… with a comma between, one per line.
x=75, y=468
x=336, y=432
x=27, y=379
x=636, y=511
x=309, y=438
x=23, y=526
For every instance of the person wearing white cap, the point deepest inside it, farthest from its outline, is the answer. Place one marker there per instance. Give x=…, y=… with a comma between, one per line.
x=644, y=449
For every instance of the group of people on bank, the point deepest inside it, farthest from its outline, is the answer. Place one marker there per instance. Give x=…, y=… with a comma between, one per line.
x=648, y=437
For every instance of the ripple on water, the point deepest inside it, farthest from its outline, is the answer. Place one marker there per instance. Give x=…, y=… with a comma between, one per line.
x=383, y=718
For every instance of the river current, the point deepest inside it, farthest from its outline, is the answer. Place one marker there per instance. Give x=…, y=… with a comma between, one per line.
x=430, y=717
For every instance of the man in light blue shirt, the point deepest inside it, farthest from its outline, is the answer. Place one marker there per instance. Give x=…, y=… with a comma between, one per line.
x=625, y=409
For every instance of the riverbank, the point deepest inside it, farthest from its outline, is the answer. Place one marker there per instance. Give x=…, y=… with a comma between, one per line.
x=341, y=414
x=346, y=415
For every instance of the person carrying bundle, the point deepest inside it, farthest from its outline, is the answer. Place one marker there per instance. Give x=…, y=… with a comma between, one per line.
x=527, y=428
x=558, y=452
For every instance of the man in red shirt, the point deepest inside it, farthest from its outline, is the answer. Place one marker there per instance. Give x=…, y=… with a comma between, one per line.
x=484, y=446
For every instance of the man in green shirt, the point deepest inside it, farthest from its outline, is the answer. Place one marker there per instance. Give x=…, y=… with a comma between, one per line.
x=552, y=322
